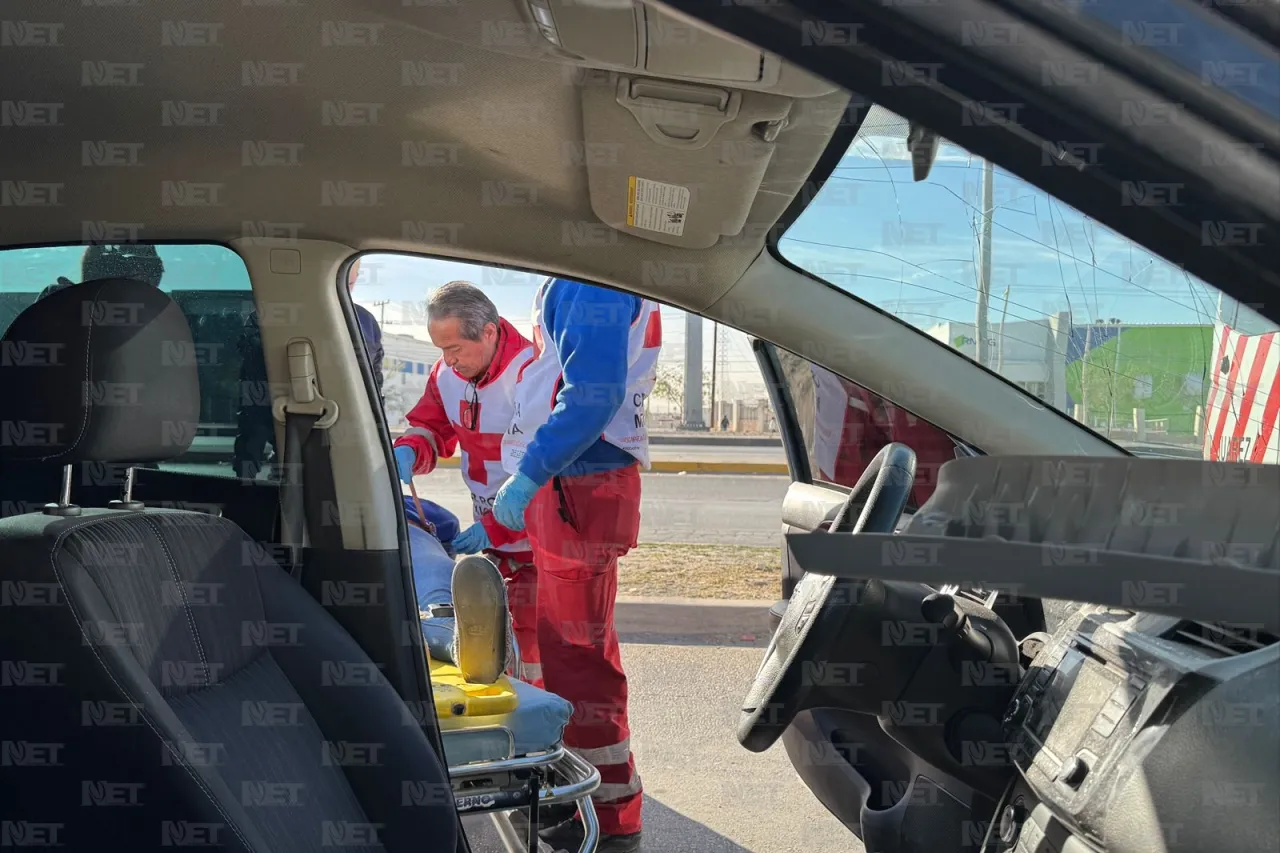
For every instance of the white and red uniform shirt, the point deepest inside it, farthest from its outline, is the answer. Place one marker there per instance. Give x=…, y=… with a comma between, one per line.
x=456, y=412
x=535, y=396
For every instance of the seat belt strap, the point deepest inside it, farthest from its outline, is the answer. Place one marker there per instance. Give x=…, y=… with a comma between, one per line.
x=303, y=412
x=298, y=429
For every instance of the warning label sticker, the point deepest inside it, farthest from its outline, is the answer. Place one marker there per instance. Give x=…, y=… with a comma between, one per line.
x=655, y=206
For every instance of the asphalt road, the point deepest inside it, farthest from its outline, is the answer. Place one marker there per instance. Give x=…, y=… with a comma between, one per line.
x=709, y=509
x=699, y=509
x=704, y=793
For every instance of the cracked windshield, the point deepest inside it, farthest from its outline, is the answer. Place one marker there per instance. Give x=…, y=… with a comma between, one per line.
x=1075, y=315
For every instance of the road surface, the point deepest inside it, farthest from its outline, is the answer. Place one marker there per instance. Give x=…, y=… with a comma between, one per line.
x=708, y=509
x=699, y=509
x=704, y=793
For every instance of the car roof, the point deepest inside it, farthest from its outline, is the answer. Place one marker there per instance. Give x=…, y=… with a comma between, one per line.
x=454, y=129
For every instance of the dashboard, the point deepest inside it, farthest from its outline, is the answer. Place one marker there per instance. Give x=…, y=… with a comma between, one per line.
x=1138, y=733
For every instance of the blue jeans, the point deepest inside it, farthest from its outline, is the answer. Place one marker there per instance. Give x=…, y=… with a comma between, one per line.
x=432, y=578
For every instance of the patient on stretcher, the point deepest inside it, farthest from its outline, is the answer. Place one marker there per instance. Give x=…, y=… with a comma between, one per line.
x=465, y=620
x=475, y=640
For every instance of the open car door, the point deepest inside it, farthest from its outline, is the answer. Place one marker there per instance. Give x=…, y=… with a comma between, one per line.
x=831, y=429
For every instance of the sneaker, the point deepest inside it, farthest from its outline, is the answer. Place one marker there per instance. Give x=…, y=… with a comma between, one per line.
x=480, y=620
x=568, y=836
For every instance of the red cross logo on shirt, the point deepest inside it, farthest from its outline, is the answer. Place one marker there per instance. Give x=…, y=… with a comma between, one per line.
x=479, y=447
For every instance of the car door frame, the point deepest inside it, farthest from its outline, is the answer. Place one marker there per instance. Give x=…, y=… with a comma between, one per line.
x=864, y=777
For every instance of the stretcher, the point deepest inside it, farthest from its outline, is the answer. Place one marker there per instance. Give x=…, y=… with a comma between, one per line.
x=503, y=742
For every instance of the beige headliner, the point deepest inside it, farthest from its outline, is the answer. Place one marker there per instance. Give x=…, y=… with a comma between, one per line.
x=510, y=113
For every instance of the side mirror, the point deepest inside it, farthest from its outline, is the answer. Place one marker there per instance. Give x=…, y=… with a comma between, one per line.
x=923, y=145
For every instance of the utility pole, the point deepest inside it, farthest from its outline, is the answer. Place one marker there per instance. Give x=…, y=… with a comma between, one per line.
x=1004, y=312
x=693, y=419
x=984, y=265
x=1115, y=371
x=382, y=311
x=715, y=340
x=1084, y=365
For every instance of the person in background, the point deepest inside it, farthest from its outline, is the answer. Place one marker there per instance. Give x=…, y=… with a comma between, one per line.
x=370, y=331
x=468, y=401
x=575, y=447
x=131, y=260
x=255, y=425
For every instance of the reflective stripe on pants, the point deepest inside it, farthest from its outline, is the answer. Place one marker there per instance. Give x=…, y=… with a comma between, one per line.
x=578, y=533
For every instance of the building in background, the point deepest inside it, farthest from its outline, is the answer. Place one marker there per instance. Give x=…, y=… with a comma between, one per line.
x=405, y=367
x=1119, y=378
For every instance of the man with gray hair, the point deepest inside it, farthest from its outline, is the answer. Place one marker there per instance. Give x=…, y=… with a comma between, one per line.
x=468, y=403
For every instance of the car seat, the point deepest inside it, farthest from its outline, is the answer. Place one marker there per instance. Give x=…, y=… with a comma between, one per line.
x=165, y=682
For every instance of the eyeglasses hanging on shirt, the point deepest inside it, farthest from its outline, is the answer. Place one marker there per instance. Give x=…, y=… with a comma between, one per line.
x=471, y=412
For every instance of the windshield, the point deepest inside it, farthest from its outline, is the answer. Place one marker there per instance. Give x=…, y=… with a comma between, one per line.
x=1067, y=310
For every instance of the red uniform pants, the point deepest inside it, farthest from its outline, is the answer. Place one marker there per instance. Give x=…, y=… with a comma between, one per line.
x=579, y=527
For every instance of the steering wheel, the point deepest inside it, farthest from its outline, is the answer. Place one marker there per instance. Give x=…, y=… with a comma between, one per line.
x=820, y=605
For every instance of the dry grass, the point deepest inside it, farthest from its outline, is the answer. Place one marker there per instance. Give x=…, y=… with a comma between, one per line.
x=701, y=571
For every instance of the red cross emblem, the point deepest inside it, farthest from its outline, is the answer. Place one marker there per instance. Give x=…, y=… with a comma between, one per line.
x=479, y=447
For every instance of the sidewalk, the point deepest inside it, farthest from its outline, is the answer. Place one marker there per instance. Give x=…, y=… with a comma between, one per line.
x=730, y=621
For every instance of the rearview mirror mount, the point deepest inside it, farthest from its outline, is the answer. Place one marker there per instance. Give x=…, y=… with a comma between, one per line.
x=923, y=145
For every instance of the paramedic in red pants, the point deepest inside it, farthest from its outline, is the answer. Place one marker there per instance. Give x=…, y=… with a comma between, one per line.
x=469, y=402
x=575, y=448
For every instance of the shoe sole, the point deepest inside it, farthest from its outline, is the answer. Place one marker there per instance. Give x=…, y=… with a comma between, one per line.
x=480, y=619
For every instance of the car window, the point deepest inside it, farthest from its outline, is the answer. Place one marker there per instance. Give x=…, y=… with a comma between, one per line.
x=211, y=285
x=1065, y=309
x=843, y=426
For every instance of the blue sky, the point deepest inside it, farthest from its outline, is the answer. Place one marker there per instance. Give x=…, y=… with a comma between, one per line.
x=913, y=248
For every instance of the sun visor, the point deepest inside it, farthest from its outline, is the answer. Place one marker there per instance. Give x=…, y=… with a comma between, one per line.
x=685, y=160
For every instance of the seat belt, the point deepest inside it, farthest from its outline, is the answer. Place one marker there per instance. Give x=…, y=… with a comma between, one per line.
x=302, y=412
x=293, y=517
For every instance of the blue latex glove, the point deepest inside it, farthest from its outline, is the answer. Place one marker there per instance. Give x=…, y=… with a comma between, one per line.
x=473, y=540
x=512, y=500
x=405, y=460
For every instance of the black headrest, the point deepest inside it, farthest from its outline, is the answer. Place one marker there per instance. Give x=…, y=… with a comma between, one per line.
x=103, y=371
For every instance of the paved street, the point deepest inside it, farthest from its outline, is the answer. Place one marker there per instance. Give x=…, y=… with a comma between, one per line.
x=704, y=792
x=709, y=509
x=702, y=509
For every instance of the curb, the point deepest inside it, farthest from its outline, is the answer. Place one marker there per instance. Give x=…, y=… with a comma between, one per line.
x=691, y=617
x=668, y=466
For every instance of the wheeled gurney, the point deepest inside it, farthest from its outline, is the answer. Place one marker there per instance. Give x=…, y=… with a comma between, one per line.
x=503, y=742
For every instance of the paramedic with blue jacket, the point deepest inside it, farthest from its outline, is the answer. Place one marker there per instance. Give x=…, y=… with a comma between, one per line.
x=575, y=447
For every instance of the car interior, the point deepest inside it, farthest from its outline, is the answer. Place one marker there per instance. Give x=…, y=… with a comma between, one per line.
x=941, y=677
